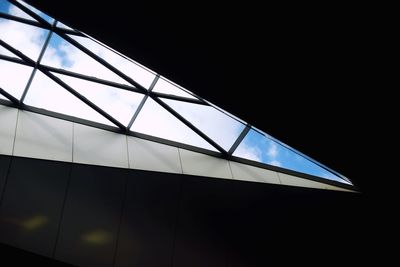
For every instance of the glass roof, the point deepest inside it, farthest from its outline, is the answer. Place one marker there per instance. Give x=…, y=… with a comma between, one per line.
x=79, y=77
x=14, y=77
x=8, y=8
x=221, y=128
x=119, y=103
x=133, y=70
x=26, y=38
x=44, y=88
x=157, y=121
x=166, y=87
x=258, y=147
x=5, y=52
x=62, y=25
x=63, y=55
x=37, y=12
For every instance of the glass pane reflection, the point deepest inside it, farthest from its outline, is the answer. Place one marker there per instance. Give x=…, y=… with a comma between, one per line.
x=259, y=148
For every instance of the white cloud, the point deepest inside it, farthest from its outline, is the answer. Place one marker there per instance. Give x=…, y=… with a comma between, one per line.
x=272, y=150
x=275, y=163
x=25, y=38
x=14, y=77
x=15, y=11
x=249, y=152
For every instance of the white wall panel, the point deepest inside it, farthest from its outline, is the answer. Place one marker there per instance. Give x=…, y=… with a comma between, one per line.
x=152, y=156
x=99, y=147
x=43, y=137
x=204, y=165
x=287, y=179
x=253, y=174
x=8, y=120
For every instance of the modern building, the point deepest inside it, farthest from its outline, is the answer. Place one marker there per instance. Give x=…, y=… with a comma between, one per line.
x=106, y=163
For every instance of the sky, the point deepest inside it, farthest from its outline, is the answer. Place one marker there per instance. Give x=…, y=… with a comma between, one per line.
x=122, y=104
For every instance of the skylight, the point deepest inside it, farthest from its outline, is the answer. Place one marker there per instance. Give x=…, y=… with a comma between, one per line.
x=64, y=72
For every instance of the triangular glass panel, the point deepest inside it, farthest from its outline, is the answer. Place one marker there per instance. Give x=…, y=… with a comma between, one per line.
x=10, y=9
x=14, y=77
x=26, y=38
x=136, y=72
x=119, y=103
x=66, y=52
x=156, y=121
x=219, y=127
x=169, y=88
x=63, y=26
x=62, y=54
x=6, y=52
x=37, y=12
x=47, y=94
x=258, y=147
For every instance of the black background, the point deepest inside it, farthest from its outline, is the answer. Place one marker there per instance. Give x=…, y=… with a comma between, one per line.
x=319, y=67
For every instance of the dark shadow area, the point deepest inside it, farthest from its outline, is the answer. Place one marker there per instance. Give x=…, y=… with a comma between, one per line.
x=160, y=219
x=12, y=256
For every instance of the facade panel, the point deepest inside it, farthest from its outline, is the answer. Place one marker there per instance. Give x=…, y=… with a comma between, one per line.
x=91, y=216
x=149, y=219
x=32, y=204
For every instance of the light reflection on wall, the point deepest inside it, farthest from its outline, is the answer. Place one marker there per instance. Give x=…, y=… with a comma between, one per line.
x=97, y=237
x=30, y=224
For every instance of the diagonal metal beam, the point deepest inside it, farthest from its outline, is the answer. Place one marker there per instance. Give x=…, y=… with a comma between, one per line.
x=153, y=83
x=9, y=96
x=23, y=20
x=41, y=20
x=36, y=65
x=239, y=139
x=101, y=61
x=29, y=61
x=72, y=32
x=68, y=31
x=83, y=99
x=190, y=125
x=179, y=98
x=92, y=79
x=14, y=60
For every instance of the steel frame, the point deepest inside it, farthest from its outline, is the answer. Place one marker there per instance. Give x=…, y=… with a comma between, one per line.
x=134, y=87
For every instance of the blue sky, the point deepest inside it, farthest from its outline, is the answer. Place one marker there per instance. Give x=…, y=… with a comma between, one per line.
x=4, y=6
x=268, y=151
x=56, y=42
